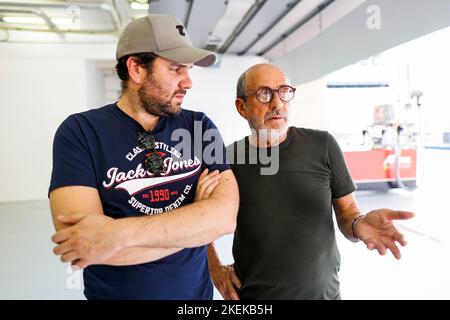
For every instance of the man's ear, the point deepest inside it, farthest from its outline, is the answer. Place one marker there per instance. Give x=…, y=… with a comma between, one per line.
x=136, y=73
x=240, y=107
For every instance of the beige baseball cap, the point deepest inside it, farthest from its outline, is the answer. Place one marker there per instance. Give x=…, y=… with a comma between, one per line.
x=165, y=36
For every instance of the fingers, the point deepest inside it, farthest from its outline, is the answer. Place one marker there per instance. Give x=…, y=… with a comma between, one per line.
x=393, y=248
x=226, y=282
x=203, y=174
x=399, y=215
x=223, y=290
x=69, y=257
x=210, y=177
x=61, y=236
x=64, y=234
x=377, y=245
x=210, y=188
x=206, y=184
x=400, y=238
x=235, y=280
x=232, y=294
x=228, y=292
x=63, y=248
x=223, y=293
x=383, y=247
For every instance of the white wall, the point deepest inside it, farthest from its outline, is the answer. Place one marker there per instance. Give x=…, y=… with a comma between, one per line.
x=308, y=108
x=214, y=92
x=40, y=85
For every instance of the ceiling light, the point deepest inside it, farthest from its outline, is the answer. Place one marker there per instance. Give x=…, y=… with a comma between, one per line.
x=23, y=20
x=60, y=22
x=139, y=6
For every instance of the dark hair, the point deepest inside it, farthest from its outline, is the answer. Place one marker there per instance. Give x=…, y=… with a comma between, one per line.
x=145, y=60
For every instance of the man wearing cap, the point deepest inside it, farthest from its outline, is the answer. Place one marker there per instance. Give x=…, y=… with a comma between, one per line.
x=136, y=160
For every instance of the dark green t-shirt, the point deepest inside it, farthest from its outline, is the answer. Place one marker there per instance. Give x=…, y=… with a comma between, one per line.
x=284, y=244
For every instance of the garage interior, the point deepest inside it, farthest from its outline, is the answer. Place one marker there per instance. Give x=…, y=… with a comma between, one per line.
x=373, y=73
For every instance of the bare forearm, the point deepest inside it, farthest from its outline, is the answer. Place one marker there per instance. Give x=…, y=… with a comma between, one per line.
x=138, y=255
x=346, y=211
x=194, y=225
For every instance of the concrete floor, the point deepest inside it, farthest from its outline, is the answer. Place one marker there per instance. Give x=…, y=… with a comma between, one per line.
x=29, y=270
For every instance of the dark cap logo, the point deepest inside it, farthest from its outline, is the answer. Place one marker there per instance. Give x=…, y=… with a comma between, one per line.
x=181, y=30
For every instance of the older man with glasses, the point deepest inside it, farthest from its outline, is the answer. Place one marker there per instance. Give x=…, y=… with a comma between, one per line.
x=284, y=245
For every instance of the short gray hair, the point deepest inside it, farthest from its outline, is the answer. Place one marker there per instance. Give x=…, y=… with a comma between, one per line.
x=241, y=87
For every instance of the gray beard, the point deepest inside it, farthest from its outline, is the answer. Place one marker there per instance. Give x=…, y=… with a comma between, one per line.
x=271, y=136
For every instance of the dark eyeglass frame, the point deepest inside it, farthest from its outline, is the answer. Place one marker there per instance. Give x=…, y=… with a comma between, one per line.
x=153, y=163
x=258, y=92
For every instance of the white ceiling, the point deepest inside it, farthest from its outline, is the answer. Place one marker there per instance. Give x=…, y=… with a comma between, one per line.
x=270, y=28
x=256, y=27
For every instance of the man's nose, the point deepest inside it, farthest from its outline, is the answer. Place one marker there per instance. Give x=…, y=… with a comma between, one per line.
x=186, y=82
x=276, y=102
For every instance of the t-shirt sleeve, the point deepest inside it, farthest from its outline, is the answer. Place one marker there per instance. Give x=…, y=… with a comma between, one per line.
x=214, y=152
x=341, y=181
x=72, y=161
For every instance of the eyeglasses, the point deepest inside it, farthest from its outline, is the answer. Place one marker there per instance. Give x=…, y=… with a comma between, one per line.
x=265, y=94
x=153, y=162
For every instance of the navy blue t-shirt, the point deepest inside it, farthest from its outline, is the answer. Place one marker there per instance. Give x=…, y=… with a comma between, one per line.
x=98, y=148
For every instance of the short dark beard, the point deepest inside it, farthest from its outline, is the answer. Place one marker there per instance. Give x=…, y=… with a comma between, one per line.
x=155, y=101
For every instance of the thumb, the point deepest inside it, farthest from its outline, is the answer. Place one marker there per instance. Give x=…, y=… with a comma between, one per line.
x=71, y=218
